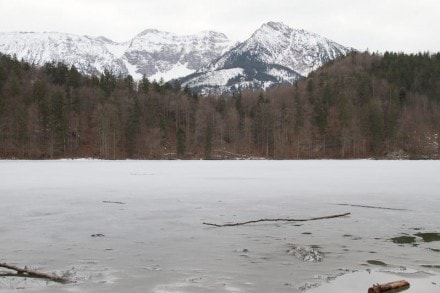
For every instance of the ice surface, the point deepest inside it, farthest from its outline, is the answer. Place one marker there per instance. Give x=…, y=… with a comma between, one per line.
x=150, y=215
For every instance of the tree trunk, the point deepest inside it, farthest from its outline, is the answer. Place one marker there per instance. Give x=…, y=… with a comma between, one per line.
x=379, y=288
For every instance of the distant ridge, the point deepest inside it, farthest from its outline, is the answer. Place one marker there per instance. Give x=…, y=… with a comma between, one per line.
x=207, y=61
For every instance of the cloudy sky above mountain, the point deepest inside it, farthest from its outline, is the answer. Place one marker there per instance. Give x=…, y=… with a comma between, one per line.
x=377, y=25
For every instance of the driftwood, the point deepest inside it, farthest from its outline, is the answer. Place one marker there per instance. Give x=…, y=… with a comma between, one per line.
x=277, y=220
x=34, y=274
x=397, y=285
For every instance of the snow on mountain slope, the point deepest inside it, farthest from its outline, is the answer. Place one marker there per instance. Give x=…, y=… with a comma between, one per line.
x=89, y=55
x=152, y=53
x=207, y=61
x=273, y=55
x=299, y=50
x=176, y=71
x=161, y=54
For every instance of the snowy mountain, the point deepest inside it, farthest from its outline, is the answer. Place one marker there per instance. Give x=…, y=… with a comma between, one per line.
x=273, y=55
x=161, y=54
x=207, y=62
x=89, y=55
x=153, y=53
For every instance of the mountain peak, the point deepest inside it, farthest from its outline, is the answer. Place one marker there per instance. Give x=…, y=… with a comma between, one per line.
x=274, y=25
x=150, y=31
x=273, y=55
x=213, y=34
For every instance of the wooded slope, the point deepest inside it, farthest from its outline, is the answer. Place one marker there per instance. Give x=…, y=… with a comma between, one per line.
x=360, y=106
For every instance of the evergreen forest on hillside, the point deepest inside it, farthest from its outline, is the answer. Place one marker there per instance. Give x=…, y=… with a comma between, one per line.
x=360, y=106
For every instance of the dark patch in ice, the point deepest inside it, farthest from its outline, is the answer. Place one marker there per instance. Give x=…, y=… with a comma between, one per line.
x=97, y=235
x=244, y=250
x=307, y=254
x=253, y=261
x=429, y=237
x=352, y=237
x=194, y=280
x=404, y=239
x=307, y=286
x=306, y=233
x=435, y=249
x=431, y=266
x=376, y=262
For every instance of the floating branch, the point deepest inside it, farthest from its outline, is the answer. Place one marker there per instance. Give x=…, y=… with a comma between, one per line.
x=34, y=274
x=397, y=285
x=277, y=220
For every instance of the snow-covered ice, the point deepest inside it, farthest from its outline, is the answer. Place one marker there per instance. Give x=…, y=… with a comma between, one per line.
x=150, y=215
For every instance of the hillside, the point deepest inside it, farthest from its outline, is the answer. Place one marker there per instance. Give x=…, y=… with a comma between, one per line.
x=358, y=106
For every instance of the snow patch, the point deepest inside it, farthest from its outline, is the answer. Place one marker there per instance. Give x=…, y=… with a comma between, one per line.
x=116, y=49
x=282, y=75
x=178, y=70
x=132, y=70
x=217, y=78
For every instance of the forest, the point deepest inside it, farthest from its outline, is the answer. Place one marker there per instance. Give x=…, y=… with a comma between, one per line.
x=359, y=106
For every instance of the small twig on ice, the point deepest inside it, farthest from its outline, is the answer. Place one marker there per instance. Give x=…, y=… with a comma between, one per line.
x=277, y=220
x=115, y=202
x=371, y=207
x=34, y=274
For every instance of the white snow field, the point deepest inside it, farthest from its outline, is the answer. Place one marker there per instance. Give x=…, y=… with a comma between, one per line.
x=137, y=226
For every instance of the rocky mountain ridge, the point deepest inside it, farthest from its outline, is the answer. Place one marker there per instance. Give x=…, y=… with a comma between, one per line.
x=207, y=62
x=152, y=53
x=273, y=55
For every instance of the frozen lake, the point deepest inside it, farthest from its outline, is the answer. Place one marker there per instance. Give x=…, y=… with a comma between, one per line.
x=137, y=226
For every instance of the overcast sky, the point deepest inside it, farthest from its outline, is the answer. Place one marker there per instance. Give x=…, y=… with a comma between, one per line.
x=377, y=25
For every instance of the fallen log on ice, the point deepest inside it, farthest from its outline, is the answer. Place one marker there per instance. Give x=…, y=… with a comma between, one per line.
x=277, y=220
x=396, y=285
x=34, y=274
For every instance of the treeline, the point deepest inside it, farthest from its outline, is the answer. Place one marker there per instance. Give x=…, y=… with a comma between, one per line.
x=360, y=106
